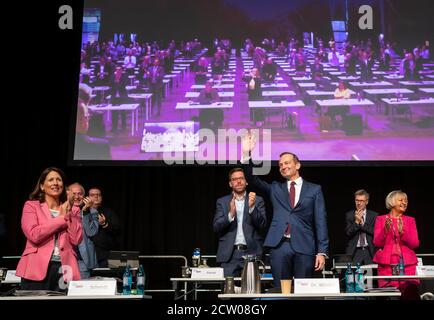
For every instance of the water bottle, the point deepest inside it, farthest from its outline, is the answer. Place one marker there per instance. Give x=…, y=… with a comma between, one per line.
x=359, y=96
x=359, y=281
x=141, y=280
x=349, y=279
x=196, y=258
x=401, y=266
x=127, y=281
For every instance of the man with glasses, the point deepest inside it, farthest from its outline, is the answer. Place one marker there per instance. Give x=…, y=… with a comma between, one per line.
x=109, y=227
x=359, y=229
x=240, y=221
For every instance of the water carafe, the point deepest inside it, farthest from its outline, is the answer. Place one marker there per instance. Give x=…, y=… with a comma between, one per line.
x=250, y=277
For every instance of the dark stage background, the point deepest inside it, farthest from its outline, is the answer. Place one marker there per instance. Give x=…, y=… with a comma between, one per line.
x=164, y=210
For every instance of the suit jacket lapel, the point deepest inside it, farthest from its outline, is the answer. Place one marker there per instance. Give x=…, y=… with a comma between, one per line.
x=285, y=193
x=246, y=210
x=46, y=210
x=369, y=217
x=303, y=192
x=246, y=228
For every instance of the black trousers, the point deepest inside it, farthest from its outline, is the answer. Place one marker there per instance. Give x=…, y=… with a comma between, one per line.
x=157, y=96
x=362, y=256
x=235, y=265
x=286, y=263
x=51, y=281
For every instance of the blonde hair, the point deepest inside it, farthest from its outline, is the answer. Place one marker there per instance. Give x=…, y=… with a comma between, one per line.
x=391, y=198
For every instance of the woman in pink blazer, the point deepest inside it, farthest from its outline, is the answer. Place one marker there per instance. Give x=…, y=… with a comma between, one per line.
x=53, y=228
x=395, y=234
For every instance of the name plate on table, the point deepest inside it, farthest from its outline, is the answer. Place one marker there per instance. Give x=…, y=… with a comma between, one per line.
x=316, y=285
x=425, y=270
x=11, y=277
x=207, y=273
x=105, y=287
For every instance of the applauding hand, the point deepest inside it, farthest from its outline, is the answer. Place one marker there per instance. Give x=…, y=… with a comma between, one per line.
x=252, y=199
x=388, y=224
x=400, y=224
x=232, y=207
x=359, y=217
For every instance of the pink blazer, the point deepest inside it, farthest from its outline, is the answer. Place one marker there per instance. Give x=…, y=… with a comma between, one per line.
x=409, y=241
x=39, y=227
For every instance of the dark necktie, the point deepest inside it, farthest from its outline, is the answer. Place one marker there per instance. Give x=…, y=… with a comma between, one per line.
x=292, y=202
x=292, y=194
x=362, y=237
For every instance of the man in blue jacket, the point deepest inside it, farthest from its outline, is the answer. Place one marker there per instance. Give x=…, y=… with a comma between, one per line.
x=297, y=236
x=86, y=254
x=239, y=220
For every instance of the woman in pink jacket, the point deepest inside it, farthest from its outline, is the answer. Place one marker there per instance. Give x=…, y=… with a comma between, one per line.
x=395, y=234
x=53, y=228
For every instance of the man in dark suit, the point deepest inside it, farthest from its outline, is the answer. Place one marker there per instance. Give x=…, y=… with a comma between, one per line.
x=254, y=92
x=297, y=237
x=156, y=74
x=239, y=220
x=359, y=229
x=210, y=118
x=118, y=93
x=109, y=228
x=317, y=69
x=269, y=70
x=103, y=71
x=366, y=63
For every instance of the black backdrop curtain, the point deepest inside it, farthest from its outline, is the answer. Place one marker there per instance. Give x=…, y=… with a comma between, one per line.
x=170, y=210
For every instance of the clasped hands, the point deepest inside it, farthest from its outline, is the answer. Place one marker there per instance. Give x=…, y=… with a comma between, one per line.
x=65, y=208
x=389, y=223
x=232, y=207
x=359, y=217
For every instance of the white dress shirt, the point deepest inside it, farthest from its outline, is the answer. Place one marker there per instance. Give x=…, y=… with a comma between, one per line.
x=239, y=204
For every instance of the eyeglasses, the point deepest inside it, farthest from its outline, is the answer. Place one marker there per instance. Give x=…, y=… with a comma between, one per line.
x=239, y=178
x=95, y=195
x=360, y=200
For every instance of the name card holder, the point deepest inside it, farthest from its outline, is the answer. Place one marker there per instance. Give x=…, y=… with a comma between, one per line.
x=11, y=277
x=106, y=287
x=207, y=273
x=425, y=270
x=316, y=286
